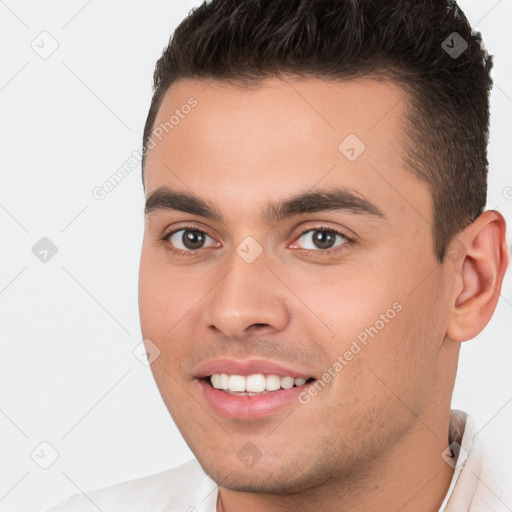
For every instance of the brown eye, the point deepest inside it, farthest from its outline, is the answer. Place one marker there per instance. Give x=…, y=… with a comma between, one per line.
x=189, y=239
x=321, y=239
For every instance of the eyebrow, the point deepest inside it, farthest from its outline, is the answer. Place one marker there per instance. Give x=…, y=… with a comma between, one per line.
x=164, y=198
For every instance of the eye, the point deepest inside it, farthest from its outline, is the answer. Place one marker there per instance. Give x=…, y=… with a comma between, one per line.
x=190, y=239
x=320, y=239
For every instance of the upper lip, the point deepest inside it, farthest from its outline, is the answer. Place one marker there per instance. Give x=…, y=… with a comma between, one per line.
x=248, y=367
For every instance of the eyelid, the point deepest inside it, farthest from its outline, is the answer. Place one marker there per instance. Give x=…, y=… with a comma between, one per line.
x=324, y=227
x=187, y=227
x=314, y=227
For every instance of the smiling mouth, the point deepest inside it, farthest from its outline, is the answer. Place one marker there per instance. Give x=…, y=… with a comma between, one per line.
x=255, y=384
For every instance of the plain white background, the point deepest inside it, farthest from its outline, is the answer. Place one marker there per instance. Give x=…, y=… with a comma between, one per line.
x=68, y=375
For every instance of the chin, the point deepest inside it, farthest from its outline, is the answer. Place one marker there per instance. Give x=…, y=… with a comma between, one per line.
x=261, y=480
x=263, y=483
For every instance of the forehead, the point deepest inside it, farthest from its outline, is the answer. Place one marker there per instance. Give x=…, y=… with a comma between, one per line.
x=283, y=137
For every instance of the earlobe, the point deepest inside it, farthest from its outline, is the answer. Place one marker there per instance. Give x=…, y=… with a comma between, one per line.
x=478, y=275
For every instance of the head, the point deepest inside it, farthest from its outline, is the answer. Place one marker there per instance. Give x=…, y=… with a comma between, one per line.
x=318, y=199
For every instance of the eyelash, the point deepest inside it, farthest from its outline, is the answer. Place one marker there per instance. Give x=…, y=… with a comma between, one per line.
x=325, y=252
x=320, y=252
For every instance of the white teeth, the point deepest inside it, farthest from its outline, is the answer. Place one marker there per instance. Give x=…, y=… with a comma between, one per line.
x=287, y=382
x=272, y=383
x=255, y=383
x=236, y=383
x=223, y=381
x=216, y=381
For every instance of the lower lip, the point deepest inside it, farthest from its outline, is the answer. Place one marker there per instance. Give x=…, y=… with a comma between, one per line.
x=243, y=407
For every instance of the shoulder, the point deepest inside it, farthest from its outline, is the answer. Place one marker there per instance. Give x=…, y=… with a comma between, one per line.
x=184, y=488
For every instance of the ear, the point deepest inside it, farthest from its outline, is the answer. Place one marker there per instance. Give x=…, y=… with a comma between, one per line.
x=479, y=258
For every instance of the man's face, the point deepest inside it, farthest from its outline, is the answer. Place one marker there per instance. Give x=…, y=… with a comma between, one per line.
x=289, y=292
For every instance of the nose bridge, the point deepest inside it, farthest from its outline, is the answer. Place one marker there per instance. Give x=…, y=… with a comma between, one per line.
x=247, y=294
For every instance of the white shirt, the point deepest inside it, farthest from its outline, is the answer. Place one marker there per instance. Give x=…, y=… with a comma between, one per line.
x=473, y=488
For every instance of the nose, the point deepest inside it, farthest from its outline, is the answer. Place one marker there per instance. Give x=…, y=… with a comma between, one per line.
x=248, y=298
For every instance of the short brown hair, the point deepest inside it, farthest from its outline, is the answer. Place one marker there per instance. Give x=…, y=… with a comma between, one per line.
x=445, y=144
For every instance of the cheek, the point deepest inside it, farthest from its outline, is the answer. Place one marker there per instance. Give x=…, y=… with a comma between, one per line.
x=164, y=297
x=401, y=358
x=350, y=301
x=169, y=308
x=385, y=336
x=151, y=299
x=383, y=386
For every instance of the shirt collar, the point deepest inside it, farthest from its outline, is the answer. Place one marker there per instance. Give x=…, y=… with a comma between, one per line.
x=465, y=457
